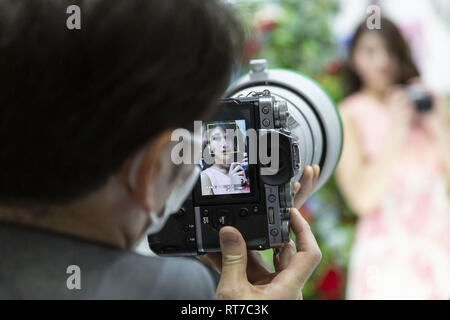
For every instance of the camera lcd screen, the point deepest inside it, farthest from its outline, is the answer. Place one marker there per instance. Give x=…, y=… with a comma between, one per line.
x=225, y=168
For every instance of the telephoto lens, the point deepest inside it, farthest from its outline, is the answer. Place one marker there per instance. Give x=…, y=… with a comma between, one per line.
x=303, y=105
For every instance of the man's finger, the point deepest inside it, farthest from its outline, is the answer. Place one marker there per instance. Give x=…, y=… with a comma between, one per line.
x=256, y=267
x=316, y=170
x=282, y=260
x=306, y=183
x=234, y=257
x=306, y=259
x=304, y=238
x=213, y=259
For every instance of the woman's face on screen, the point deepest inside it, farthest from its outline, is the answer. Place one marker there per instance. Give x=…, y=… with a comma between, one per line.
x=222, y=150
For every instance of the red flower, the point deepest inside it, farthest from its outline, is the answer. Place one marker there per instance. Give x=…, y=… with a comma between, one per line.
x=330, y=285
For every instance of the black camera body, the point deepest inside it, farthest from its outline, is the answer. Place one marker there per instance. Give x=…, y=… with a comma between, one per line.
x=260, y=210
x=294, y=123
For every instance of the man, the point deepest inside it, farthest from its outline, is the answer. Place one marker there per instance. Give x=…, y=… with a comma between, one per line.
x=86, y=118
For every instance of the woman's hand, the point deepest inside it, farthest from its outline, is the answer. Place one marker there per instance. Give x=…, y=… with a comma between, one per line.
x=436, y=121
x=237, y=174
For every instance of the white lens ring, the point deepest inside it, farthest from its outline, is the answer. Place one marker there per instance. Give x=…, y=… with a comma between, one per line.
x=301, y=91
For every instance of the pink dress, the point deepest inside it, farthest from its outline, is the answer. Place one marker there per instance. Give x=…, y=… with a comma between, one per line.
x=221, y=183
x=402, y=249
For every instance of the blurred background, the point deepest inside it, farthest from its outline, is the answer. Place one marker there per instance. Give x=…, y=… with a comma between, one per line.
x=313, y=37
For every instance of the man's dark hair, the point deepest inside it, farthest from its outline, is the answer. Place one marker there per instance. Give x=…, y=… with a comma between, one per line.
x=74, y=104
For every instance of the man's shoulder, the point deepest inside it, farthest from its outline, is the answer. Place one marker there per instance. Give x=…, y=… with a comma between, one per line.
x=41, y=265
x=168, y=277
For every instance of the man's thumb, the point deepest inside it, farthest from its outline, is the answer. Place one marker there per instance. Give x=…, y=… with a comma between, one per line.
x=234, y=256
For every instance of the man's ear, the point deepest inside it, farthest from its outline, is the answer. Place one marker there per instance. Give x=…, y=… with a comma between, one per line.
x=142, y=170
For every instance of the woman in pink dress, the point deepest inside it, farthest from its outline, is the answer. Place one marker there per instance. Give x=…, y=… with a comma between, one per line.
x=394, y=172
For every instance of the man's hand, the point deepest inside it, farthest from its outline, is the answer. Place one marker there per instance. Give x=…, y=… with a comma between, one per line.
x=244, y=274
x=306, y=185
x=247, y=277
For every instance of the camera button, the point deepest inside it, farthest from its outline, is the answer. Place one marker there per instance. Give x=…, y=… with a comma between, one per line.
x=222, y=219
x=266, y=122
x=205, y=212
x=274, y=232
x=272, y=198
x=243, y=212
x=271, y=215
x=255, y=209
x=265, y=110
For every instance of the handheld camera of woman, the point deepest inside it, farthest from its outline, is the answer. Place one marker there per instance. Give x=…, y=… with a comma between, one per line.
x=273, y=125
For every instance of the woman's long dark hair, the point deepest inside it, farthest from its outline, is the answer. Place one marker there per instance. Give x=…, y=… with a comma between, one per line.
x=396, y=44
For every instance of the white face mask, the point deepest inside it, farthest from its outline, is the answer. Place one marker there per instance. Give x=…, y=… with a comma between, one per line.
x=174, y=201
x=184, y=183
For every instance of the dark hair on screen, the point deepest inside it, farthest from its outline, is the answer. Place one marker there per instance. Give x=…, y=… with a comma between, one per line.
x=74, y=104
x=396, y=44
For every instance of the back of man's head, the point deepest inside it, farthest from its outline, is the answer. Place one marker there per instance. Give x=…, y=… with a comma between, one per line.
x=74, y=104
